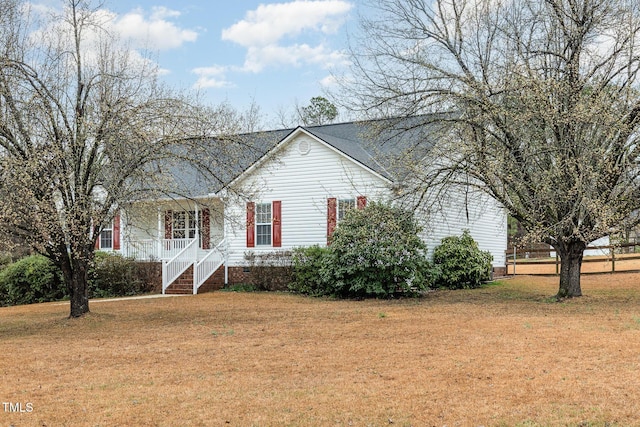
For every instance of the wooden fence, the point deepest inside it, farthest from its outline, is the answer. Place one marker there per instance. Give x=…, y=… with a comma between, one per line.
x=614, y=258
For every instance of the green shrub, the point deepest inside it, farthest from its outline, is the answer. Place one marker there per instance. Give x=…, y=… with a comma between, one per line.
x=36, y=279
x=312, y=271
x=375, y=252
x=378, y=253
x=5, y=259
x=30, y=280
x=112, y=275
x=458, y=263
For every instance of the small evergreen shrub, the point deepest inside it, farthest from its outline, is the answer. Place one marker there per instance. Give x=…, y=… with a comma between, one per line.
x=458, y=263
x=112, y=275
x=312, y=271
x=30, y=280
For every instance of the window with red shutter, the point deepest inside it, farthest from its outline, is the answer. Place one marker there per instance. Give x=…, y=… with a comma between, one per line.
x=251, y=230
x=206, y=228
x=116, y=232
x=277, y=224
x=168, y=224
x=332, y=204
x=362, y=202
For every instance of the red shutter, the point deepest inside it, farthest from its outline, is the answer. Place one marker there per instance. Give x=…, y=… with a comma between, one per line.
x=116, y=232
x=332, y=206
x=277, y=224
x=168, y=224
x=251, y=229
x=97, y=245
x=206, y=228
x=362, y=202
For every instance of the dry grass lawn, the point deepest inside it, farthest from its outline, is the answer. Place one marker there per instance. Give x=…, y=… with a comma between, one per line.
x=502, y=355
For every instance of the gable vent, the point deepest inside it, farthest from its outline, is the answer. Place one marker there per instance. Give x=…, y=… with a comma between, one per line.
x=304, y=146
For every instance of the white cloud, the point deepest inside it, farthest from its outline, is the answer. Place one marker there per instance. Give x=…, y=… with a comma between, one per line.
x=264, y=30
x=269, y=23
x=295, y=55
x=154, y=31
x=161, y=12
x=211, y=77
x=329, y=81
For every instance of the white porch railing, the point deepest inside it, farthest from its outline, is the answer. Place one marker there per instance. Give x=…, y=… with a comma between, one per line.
x=153, y=249
x=206, y=266
x=145, y=250
x=173, y=268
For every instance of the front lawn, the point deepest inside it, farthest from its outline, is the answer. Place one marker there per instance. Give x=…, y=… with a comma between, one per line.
x=504, y=354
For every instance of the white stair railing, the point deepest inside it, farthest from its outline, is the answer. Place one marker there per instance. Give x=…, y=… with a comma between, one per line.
x=171, y=247
x=204, y=268
x=177, y=265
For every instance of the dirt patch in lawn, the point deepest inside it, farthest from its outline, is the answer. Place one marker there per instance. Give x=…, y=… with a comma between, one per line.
x=501, y=355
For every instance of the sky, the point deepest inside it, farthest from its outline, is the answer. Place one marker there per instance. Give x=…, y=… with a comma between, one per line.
x=273, y=53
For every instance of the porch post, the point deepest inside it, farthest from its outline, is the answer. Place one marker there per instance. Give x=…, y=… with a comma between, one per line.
x=160, y=230
x=197, y=236
x=197, y=212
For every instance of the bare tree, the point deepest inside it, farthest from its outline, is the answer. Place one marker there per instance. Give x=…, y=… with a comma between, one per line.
x=541, y=100
x=85, y=129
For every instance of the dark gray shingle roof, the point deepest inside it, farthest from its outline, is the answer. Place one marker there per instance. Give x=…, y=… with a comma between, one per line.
x=380, y=145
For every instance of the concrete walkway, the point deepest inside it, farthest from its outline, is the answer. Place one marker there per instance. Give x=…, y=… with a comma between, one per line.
x=96, y=300
x=138, y=297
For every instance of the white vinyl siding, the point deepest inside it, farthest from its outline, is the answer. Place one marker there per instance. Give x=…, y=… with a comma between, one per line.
x=303, y=183
x=476, y=212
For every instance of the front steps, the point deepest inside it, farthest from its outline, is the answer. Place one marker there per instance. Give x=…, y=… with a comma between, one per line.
x=183, y=285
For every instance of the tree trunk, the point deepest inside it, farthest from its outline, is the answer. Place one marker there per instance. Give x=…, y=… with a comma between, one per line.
x=571, y=261
x=75, y=273
x=79, y=290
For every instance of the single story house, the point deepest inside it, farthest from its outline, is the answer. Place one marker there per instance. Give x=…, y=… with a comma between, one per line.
x=292, y=192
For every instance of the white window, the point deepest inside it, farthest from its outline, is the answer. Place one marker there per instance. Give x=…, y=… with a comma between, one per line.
x=263, y=224
x=106, y=237
x=343, y=206
x=185, y=224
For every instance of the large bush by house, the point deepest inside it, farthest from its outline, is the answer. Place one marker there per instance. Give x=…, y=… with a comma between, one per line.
x=458, y=263
x=30, y=280
x=312, y=270
x=112, y=275
x=374, y=252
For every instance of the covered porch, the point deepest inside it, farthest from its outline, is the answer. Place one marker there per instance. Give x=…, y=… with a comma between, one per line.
x=187, y=236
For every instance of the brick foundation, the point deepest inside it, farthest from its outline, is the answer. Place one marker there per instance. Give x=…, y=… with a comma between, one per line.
x=238, y=275
x=214, y=282
x=263, y=278
x=499, y=271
